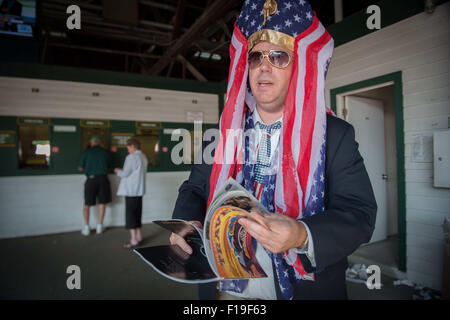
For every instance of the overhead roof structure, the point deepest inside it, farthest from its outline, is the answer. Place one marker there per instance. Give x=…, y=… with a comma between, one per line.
x=185, y=39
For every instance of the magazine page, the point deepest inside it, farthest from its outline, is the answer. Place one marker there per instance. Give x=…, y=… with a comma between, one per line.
x=232, y=189
x=232, y=247
x=172, y=262
x=229, y=249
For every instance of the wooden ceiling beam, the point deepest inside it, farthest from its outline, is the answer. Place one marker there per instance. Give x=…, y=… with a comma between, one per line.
x=178, y=19
x=192, y=69
x=212, y=13
x=158, y=5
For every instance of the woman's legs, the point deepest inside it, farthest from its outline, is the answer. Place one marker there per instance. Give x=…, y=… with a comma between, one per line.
x=133, y=239
x=138, y=234
x=133, y=214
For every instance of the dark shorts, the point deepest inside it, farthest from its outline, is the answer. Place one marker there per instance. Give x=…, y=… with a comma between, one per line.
x=133, y=212
x=97, y=186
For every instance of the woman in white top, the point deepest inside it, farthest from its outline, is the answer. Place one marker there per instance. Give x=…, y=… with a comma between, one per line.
x=132, y=186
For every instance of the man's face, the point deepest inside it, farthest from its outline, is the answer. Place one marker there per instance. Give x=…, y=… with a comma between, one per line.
x=270, y=84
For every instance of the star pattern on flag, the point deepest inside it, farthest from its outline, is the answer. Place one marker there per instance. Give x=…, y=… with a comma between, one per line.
x=252, y=17
x=292, y=17
x=316, y=201
x=287, y=276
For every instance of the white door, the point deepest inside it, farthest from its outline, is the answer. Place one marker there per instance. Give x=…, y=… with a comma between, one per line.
x=367, y=117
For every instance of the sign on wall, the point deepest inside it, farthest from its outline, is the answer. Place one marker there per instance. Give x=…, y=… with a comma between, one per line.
x=120, y=140
x=7, y=139
x=148, y=125
x=64, y=128
x=94, y=123
x=33, y=121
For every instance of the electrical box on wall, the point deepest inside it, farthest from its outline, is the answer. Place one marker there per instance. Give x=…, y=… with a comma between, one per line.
x=441, y=158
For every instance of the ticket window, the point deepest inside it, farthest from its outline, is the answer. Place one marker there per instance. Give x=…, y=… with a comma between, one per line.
x=150, y=145
x=88, y=132
x=34, y=147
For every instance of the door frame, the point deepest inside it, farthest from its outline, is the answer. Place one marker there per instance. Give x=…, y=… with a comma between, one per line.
x=395, y=79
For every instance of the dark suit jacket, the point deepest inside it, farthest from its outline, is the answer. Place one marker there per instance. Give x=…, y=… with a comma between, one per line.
x=348, y=220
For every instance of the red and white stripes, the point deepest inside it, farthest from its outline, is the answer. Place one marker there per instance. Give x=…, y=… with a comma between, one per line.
x=304, y=119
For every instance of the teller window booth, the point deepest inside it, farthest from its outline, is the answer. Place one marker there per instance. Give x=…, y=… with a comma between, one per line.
x=34, y=143
x=94, y=127
x=148, y=133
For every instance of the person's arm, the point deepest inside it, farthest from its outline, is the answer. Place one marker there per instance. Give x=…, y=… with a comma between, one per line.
x=82, y=163
x=128, y=167
x=347, y=222
x=349, y=218
x=192, y=200
x=308, y=248
x=192, y=195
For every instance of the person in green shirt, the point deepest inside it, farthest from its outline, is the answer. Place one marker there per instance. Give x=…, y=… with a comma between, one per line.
x=96, y=163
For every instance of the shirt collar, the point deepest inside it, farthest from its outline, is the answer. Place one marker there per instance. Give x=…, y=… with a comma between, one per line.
x=257, y=118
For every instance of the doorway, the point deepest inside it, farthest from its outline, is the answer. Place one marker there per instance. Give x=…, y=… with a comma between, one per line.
x=374, y=108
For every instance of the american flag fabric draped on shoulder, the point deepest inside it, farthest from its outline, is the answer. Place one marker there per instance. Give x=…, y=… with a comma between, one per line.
x=299, y=189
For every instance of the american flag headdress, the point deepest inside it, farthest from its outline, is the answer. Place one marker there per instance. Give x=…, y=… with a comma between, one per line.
x=294, y=25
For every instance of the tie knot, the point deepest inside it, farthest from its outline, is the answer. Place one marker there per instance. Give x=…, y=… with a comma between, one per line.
x=269, y=127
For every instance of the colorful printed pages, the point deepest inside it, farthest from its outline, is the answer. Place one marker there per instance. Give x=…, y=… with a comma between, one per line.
x=222, y=250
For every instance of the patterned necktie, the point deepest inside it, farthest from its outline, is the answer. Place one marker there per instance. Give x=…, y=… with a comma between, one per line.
x=264, y=150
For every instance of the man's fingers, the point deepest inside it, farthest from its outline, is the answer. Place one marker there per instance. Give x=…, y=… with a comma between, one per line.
x=198, y=224
x=177, y=240
x=254, y=228
x=184, y=246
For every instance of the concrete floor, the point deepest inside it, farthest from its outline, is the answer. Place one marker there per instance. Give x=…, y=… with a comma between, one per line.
x=35, y=268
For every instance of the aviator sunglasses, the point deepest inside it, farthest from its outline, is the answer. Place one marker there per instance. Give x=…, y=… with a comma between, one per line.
x=277, y=58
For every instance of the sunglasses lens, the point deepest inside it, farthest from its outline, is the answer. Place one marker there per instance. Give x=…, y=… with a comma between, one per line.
x=279, y=58
x=254, y=58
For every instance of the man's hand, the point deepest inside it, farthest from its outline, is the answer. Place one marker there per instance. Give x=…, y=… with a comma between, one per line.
x=116, y=170
x=284, y=232
x=179, y=240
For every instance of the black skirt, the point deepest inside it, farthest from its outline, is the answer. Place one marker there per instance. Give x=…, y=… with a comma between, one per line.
x=133, y=212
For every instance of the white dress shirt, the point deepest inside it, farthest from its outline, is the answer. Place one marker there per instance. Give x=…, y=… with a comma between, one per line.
x=132, y=182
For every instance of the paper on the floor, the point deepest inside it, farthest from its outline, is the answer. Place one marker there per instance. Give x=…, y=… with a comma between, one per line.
x=357, y=273
x=420, y=292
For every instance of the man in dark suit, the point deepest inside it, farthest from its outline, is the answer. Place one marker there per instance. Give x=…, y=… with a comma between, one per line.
x=308, y=173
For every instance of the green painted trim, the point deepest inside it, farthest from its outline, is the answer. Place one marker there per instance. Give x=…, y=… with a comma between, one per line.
x=354, y=26
x=395, y=77
x=66, y=160
x=48, y=72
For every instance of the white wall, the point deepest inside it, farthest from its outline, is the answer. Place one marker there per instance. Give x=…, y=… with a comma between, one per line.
x=419, y=47
x=66, y=99
x=37, y=205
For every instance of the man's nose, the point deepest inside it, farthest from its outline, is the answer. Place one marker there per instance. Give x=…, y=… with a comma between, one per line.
x=265, y=65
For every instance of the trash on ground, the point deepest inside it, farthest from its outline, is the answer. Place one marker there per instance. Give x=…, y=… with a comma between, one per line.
x=357, y=273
